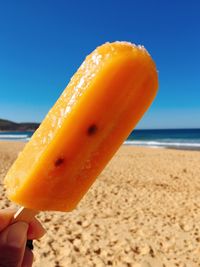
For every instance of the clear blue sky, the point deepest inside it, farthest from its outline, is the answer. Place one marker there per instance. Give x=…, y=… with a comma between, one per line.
x=43, y=42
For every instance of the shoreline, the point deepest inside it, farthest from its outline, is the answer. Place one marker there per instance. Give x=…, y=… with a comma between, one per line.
x=197, y=149
x=16, y=131
x=165, y=147
x=178, y=139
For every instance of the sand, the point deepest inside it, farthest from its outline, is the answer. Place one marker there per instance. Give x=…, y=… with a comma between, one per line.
x=143, y=211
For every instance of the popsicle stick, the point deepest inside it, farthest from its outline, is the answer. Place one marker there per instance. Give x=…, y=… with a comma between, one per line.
x=27, y=215
x=24, y=214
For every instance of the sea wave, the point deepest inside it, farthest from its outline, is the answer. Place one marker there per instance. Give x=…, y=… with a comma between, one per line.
x=13, y=136
x=170, y=144
x=178, y=143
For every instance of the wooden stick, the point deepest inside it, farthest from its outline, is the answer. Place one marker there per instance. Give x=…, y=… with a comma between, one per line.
x=24, y=214
x=27, y=215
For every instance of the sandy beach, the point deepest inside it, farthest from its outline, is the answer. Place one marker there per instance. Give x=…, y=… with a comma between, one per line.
x=143, y=211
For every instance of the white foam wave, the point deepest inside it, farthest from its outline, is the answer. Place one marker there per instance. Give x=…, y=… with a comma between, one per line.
x=13, y=136
x=163, y=144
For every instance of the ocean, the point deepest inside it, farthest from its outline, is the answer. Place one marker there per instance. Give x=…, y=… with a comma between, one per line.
x=166, y=138
x=15, y=136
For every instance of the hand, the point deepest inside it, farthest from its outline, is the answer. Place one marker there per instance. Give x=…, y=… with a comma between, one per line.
x=13, y=238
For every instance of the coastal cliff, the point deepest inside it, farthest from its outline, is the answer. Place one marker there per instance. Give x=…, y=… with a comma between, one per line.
x=6, y=125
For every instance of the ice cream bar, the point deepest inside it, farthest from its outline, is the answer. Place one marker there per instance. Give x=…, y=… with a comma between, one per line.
x=96, y=112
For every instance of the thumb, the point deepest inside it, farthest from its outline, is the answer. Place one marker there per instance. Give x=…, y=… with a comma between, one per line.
x=6, y=217
x=12, y=244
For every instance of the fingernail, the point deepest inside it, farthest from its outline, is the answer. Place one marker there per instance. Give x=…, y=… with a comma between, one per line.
x=32, y=234
x=35, y=231
x=17, y=234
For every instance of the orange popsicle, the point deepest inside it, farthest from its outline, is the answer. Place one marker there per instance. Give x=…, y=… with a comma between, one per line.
x=94, y=115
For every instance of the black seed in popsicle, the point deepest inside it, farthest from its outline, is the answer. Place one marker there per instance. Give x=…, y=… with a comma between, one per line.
x=92, y=129
x=59, y=162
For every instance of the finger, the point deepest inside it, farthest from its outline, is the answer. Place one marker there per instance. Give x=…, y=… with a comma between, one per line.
x=35, y=230
x=6, y=216
x=28, y=258
x=12, y=244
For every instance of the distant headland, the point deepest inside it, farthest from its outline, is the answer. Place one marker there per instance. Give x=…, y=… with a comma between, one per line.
x=6, y=125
